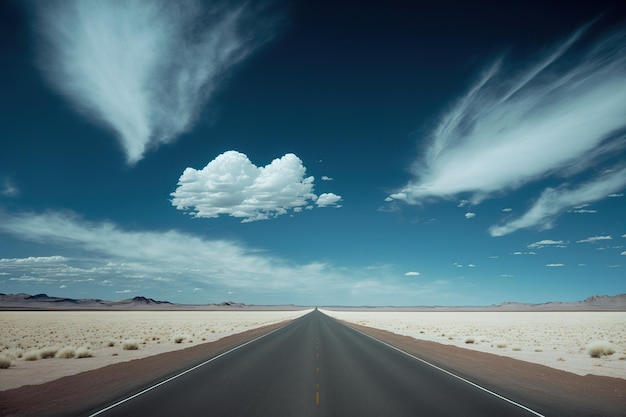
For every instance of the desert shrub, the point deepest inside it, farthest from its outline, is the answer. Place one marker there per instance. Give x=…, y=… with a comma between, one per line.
x=501, y=345
x=130, y=345
x=66, y=353
x=47, y=353
x=83, y=352
x=5, y=362
x=179, y=339
x=600, y=348
x=469, y=340
x=111, y=343
x=31, y=355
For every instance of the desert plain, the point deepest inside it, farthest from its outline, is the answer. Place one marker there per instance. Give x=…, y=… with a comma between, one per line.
x=43, y=346
x=580, y=342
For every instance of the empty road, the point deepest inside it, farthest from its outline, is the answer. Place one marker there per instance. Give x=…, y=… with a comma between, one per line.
x=315, y=366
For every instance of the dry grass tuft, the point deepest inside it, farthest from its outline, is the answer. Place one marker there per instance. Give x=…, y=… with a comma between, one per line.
x=470, y=340
x=598, y=349
x=31, y=355
x=83, y=352
x=66, y=353
x=5, y=362
x=49, y=352
x=130, y=345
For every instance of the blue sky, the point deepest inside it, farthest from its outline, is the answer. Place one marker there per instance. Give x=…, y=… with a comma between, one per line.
x=314, y=152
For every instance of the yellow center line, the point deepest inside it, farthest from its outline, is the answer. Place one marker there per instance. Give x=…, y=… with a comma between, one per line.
x=317, y=398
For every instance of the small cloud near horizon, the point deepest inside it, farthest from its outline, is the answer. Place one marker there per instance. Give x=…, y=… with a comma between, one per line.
x=546, y=242
x=412, y=274
x=594, y=239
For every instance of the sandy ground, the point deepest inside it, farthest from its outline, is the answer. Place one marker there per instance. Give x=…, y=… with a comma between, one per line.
x=556, y=339
x=101, y=336
x=550, y=391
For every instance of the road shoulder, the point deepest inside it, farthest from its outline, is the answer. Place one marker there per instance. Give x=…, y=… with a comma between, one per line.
x=76, y=394
x=550, y=391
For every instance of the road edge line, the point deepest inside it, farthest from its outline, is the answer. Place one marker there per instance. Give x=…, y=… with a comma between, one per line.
x=451, y=374
x=150, y=388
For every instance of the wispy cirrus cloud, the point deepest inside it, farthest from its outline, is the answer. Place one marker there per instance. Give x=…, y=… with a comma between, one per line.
x=165, y=263
x=231, y=184
x=560, y=117
x=107, y=253
x=594, y=239
x=546, y=242
x=8, y=188
x=554, y=201
x=143, y=68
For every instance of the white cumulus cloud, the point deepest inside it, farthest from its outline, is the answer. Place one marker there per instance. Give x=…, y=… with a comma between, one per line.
x=232, y=185
x=328, y=199
x=470, y=215
x=412, y=274
x=142, y=68
x=560, y=116
x=555, y=265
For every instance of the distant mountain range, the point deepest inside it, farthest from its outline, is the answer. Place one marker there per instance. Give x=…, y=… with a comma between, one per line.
x=46, y=302
x=593, y=303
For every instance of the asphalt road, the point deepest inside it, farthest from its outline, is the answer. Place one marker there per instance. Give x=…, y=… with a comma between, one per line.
x=316, y=366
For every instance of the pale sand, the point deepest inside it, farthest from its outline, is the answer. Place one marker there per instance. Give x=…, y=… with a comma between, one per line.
x=155, y=332
x=555, y=339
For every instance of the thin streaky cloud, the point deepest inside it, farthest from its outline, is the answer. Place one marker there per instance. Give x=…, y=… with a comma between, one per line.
x=594, y=239
x=546, y=242
x=8, y=188
x=561, y=116
x=554, y=201
x=188, y=259
x=104, y=254
x=142, y=68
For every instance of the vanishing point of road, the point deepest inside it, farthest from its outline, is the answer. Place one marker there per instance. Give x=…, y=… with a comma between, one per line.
x=315, y=366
